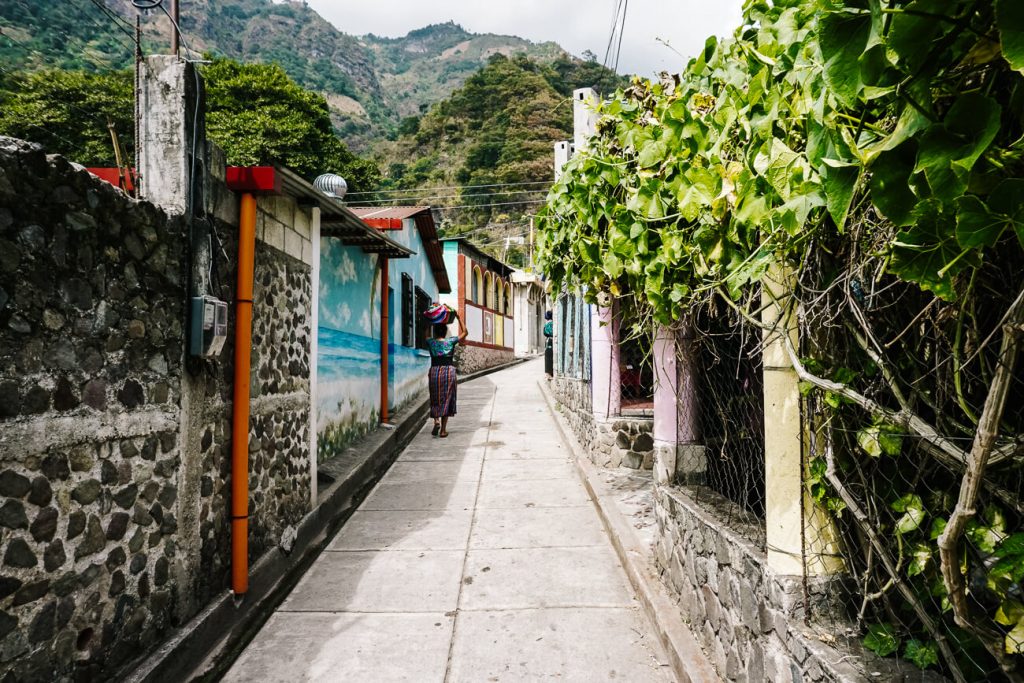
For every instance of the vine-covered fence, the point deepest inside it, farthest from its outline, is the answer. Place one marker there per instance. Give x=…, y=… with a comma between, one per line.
x=872, y=150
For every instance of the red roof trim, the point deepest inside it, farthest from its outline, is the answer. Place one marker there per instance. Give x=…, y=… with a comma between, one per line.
x=113, y=176
x=384, y=223
x=263, y=179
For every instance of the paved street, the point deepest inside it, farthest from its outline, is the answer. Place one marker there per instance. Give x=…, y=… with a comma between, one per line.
x=477, y=558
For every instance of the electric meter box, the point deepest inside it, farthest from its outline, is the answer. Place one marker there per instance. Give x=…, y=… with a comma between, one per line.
x=208, y=326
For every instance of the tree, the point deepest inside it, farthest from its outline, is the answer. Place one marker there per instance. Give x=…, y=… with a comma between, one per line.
x=254, y=112
x=68, y=111
x=259, y=115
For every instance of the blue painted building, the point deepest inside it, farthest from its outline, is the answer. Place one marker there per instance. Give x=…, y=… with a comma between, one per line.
x=350, y=311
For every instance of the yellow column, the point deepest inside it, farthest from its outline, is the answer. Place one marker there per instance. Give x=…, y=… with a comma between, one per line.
x=784, y=438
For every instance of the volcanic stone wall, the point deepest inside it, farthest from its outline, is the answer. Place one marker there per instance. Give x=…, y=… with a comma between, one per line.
x=115, y=450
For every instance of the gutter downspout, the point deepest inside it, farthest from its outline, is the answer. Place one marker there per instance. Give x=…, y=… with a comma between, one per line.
x=240, y=403
x=385, y=326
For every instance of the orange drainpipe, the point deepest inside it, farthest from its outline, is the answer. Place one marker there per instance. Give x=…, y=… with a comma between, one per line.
x=240, y=404
x=385, y=325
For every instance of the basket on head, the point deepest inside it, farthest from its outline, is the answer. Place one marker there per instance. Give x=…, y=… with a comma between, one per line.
x=437, y=314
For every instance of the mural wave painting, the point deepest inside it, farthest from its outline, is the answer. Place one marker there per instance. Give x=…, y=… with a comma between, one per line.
x=348, y=384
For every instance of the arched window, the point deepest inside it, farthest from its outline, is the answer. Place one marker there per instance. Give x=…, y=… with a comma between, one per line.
x=488, y=290
x=501, y=297
x=476, y=294
x=508, y=298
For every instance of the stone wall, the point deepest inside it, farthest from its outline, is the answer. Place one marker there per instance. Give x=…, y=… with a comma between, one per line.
x=574, y=398
x=624, y=441
x=750, y=621
x=115, y=450
x=470, y=359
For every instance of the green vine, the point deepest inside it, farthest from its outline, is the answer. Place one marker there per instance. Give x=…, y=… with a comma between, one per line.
x=885, y=140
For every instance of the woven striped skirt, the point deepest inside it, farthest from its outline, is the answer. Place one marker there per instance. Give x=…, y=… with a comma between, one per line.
x=443, y=382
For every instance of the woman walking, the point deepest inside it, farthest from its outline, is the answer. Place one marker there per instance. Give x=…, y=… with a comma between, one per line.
x=442, y=379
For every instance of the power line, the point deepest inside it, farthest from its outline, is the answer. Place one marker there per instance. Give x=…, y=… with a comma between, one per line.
x=119, y=22
x=130, y=49
x=452, y=187
x=622, y=31
x=486, y=206
x=611, y=33
x=417, y=198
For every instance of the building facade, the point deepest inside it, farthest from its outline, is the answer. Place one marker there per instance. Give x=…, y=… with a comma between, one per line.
x=351, y=319
x=528, y=305
x=483, y=296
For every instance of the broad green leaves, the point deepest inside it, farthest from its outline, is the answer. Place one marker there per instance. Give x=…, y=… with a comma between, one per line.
x=949, y=150
x=1010, y=22
x=844, y=37
x=810, y=121
x=882, y=639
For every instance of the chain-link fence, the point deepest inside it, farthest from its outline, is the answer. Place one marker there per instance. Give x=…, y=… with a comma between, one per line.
x=636, y=369
x=898, y=412
x=727, y=356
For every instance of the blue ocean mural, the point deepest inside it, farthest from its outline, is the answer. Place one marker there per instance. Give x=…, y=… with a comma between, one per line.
x=348, y=363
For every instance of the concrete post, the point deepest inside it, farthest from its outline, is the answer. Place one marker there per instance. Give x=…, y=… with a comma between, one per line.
x=171, y=143
x=584, y=117
x=563, y=152
x=169, y=93
x=796, y=528
x=677, y=443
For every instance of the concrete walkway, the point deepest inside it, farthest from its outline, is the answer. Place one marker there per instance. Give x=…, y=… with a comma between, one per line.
x=477, y=558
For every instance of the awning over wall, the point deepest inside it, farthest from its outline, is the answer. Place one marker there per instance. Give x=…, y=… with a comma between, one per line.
x=391, y=217
x=336, y=220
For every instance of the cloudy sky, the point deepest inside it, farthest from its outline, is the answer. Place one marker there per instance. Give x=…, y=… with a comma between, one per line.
x=576, y=25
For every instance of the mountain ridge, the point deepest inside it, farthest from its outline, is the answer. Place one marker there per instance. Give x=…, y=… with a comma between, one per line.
x=371, y=82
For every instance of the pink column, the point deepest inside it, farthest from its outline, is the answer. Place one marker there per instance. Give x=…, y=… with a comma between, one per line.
x=605, y=383
x=676, y=416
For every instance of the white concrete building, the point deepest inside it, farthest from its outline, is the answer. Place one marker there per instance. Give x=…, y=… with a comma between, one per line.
x=529, y=304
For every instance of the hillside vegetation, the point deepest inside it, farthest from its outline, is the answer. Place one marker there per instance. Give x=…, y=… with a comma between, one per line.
x=497, y=129
x=369, y=82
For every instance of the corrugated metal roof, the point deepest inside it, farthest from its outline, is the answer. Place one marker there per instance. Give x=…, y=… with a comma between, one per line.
x=400, y=212
x=337, y=220
x=424, y=218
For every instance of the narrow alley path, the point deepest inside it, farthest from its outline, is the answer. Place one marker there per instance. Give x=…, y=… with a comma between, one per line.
x=477, y=558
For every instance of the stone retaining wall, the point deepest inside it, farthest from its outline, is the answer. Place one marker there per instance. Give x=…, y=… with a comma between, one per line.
x=624, y=441
x=470, y=359
x=750, y=621
x=115, y=449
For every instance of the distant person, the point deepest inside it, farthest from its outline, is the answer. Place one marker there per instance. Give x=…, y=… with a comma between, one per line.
x=549, y=349
x=442, y=378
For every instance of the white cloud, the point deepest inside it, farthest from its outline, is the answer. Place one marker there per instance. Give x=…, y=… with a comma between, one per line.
x=576, y=25
x=365, y=325
x=344, y=268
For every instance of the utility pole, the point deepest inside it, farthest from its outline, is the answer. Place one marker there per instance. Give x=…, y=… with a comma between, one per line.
x=175, y=37
x=531, y=244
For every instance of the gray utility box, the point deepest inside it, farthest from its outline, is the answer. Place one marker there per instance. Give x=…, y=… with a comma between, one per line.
x=208, y=326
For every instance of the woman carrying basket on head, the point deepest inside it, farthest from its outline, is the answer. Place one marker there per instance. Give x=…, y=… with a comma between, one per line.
x=442, y=378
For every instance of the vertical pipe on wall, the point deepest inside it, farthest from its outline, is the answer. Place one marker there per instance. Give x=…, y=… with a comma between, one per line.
x=385, y=328
x=240, y=404
x=175, y=22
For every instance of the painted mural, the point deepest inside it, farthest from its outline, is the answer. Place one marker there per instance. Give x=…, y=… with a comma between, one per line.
x=348, y=364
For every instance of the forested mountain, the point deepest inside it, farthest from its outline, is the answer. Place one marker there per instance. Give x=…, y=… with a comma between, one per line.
x=370, y=82
x=437, y=108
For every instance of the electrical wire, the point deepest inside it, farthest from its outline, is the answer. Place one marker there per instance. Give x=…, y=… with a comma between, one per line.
x=622, y=31
x=452, y=187
x=416, y=198
x=484, y=206
x=130, y=49
x=119, y=22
